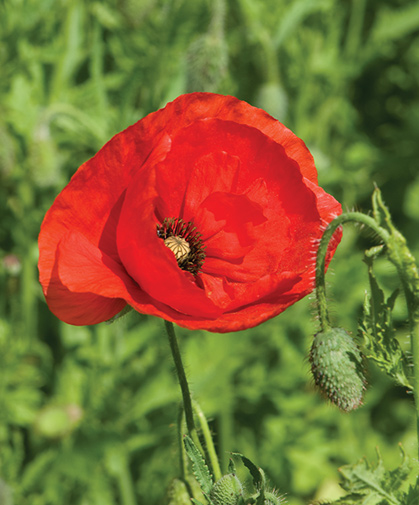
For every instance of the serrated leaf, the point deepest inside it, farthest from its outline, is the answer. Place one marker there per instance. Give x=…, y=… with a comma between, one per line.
x=199, y=467
x=380, y=211
x=376, y=330
x=374, y=485
x=412, y=496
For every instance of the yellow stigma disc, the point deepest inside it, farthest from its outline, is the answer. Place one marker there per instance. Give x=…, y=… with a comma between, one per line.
x=179, y=247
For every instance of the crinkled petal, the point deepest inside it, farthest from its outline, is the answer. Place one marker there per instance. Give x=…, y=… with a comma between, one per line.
x=149, y=262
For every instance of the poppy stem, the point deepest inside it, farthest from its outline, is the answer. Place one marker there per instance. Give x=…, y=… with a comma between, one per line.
x=356, y=217
x=184, y=386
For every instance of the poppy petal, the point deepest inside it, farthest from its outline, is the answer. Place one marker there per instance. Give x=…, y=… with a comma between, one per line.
x=149, y=261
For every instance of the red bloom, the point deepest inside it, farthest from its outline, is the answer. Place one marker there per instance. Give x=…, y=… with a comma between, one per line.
x=204, y=213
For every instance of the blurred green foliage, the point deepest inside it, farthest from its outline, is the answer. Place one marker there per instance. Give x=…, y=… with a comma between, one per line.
x=87, y=414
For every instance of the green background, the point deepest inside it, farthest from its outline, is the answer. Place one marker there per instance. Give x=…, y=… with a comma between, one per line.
x=87, y=415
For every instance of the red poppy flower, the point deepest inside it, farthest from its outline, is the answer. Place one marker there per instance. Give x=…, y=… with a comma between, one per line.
x=205, y=213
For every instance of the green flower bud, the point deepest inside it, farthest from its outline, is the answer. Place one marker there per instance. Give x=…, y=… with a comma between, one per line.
x=227, y=490
x=207, y=62
x=271, y=498
x=272, y=98
x=177, y=493
x=57, y=421
x=337, y=367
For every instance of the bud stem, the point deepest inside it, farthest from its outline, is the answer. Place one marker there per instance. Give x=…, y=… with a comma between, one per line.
x=356, y=217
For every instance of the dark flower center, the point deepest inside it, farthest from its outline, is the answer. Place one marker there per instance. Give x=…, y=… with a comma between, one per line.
x=184, y=241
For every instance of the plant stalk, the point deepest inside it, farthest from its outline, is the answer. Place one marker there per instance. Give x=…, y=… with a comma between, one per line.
x=404, y=261
x=209, y=444
x=356, y=217
x=184, y=386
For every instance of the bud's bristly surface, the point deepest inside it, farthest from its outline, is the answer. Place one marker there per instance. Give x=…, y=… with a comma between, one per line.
x=227, y=491
x=337, y=367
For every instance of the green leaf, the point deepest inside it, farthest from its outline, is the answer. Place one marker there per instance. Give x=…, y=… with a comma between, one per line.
x=367, y=484
x=231, y=466
x=259, y=479
x=412, y=496
x=199, y=467
x=256, y=472
x=376, y=330
x=380, y=212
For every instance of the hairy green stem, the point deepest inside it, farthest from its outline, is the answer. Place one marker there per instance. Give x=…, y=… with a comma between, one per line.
x=405, y=263
x=209, y=444
x=218, y=18
x=401, y=257
x=184, y=386
x=356, y=217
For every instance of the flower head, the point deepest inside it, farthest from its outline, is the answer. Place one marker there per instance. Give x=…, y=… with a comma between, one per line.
x=204, y=213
